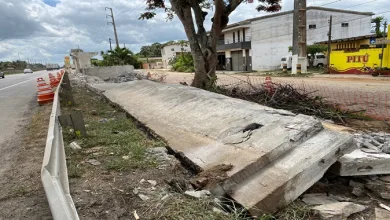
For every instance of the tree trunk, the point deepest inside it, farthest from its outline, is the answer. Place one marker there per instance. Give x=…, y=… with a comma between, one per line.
x=203, y=52
x=311, y=61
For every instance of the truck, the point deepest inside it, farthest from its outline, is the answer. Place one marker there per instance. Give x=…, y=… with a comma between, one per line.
x=51, y=66
x=319, y=60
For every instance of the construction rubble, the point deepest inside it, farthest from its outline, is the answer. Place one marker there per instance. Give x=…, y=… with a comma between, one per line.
x=262, y=158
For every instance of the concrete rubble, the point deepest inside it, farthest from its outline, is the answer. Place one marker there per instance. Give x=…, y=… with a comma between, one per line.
x=371, y=158
x=381, y=214
x=279, y=158
x=338, y=210
x=318, y=199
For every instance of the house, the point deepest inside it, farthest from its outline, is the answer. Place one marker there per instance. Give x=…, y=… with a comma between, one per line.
x=260, y=43
x=359, y=55
x=169, y=51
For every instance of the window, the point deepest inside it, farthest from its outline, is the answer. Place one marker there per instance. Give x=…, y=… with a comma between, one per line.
x=344, y=24
x=320, y=56
x=283, y=59
x=312, y=26
x=243, y=35
x=234, y=37
x=238, y=36
x=173, y=49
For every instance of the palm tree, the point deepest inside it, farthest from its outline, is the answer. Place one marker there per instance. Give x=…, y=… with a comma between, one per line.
x=121, y=56
x=378, y=22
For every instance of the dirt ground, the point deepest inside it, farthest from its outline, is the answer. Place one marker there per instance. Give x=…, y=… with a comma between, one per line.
x=352, y=92
x=22, y=194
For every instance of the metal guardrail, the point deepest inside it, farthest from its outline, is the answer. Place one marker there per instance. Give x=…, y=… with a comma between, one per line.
x=54, y=172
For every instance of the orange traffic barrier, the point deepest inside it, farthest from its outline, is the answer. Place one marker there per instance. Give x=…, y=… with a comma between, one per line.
x=45, y=94
x=62, y=72
x=53, y=81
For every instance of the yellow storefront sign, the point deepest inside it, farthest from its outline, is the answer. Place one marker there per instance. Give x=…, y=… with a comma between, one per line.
x=354, y=60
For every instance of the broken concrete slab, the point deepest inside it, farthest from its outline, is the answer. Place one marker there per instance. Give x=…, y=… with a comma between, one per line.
x=286, y=178
x=381, y=214
x=318, y=199
x=338, y=210
x=360, y=163
x=288, y=152
x=172, y=111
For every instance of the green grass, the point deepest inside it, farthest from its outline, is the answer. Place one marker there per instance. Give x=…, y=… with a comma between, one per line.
x=295, y=211
x=118, y=137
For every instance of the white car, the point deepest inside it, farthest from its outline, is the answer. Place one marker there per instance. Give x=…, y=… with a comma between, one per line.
x=27, y=71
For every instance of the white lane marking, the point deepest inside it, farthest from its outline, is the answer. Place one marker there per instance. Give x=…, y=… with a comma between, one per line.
x=16, y=84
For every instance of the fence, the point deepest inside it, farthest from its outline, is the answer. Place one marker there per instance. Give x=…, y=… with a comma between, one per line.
x=356, y=97
x=54, y=173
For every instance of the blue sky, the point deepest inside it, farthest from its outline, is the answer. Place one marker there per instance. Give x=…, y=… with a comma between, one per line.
x=46, y=30
x=52, y=3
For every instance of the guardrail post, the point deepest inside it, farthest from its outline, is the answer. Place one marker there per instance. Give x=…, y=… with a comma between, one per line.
x=74, y=120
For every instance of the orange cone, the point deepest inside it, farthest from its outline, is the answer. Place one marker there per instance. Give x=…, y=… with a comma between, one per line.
x=45, y=94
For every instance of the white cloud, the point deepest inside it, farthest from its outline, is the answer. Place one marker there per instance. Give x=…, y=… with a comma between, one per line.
x=35, y=30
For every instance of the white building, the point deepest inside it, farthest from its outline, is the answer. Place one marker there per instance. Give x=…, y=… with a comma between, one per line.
x=260, y=43
x=170, y=51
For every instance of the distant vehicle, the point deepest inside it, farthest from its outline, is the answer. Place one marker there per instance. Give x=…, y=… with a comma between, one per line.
x=52, y=66
x=27, y=71
x=2, y=74
x=319, y=61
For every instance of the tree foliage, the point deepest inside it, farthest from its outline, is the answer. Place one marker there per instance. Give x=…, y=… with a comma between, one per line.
x=118, y=56
x=183, y=63
x=153, y=50
x=192, y=14
x=378, y=21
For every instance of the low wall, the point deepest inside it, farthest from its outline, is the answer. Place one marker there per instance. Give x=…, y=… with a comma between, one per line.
x=108, y=71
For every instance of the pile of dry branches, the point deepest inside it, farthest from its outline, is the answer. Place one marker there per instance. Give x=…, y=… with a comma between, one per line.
x=285, y=96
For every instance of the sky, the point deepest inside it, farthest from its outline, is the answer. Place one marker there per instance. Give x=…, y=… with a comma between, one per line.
x=46, y=30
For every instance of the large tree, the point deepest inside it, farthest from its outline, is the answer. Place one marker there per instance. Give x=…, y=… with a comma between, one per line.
x=192, y=14
x=153, y=50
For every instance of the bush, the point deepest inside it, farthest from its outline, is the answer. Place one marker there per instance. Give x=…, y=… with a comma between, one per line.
x=183, y=63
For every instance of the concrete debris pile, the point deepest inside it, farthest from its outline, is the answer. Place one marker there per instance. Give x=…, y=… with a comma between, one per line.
x=261, y=157
x=125, y=77
x=371, y=158
x=373, y=142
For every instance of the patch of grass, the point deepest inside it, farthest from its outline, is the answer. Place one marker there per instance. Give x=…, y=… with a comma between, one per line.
x=75, y=170
x=178, y=206
x=124, y=144
x=295, y=211
x=20, y=190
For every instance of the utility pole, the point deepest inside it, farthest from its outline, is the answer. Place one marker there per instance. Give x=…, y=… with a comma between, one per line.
x=124, y=45
x=329, y=41
x=109, y=39
x=299, y=33
x=113, y=24
x=384, y=33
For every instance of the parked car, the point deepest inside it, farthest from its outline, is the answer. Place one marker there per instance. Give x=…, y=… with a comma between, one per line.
x=2, y=74
x=27, y=71
x=319, y=61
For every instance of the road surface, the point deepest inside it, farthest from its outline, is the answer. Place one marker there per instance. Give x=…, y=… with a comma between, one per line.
x=17, y=98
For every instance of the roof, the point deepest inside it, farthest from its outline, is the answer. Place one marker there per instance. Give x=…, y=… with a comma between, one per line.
x=348, y=39
x=291, y=11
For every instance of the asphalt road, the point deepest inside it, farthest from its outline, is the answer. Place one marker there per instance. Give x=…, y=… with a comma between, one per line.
x=17, y=95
